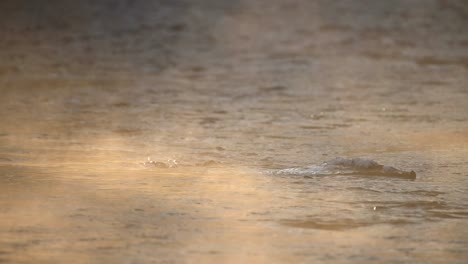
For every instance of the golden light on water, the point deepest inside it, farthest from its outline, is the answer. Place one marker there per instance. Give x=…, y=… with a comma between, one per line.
x=231, y=91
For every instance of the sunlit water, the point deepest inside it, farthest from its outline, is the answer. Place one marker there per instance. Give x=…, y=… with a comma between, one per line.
x=237, y=105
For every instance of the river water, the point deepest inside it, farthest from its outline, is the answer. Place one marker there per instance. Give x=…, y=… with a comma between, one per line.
x=144, y=131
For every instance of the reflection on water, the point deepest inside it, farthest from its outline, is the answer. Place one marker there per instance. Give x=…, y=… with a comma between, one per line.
x=223, y=214
x=216, y=98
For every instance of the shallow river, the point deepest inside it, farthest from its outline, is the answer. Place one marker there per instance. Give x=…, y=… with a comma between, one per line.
x=147, y=131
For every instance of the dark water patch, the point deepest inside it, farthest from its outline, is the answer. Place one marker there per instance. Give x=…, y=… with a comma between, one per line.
x=127, y=131
x=78, y=215
x=374, y=33
x=463, y=214
x=272, y=89
x=447, y=215
x=203, y=252
x=120, y=105
x=27, y=230
x=460, y=8
x=433, y=61
x=178, y=27
x=280, y=137
x=412, y=118
x=209, y=163
x=463, y=43
x=331, y=109
x=108, y=247
x=18, y=245
x=285, y=55
x=220, y=112
x=9, y=70
x=355, y=119
x=317, y=116
x=89, y=239
x=197, y=69
x=382, y=55
x=363, y=189
x=334, y=28
x=339, y=125
x=325, y=127
x=298, y=182
x=209, y=120
x=434, y=83
x=154, y=236
x=338, y=225
x=3, y=159
x=314, y=127
x=420, y=192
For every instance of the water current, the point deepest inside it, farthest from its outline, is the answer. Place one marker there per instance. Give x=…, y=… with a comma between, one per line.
x=234, y=131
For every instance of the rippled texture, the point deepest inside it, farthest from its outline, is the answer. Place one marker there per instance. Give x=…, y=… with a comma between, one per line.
x=216, y=93
x=342, y=166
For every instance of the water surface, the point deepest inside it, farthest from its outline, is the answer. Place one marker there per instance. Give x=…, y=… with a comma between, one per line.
x=229, y=90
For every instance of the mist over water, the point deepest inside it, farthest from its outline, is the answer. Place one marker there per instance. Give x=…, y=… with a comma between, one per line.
x=148, y=131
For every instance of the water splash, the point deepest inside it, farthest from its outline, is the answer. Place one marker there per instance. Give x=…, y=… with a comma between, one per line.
x=342, y=166
x=171, y=163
